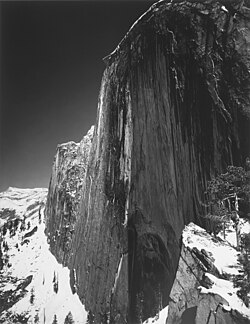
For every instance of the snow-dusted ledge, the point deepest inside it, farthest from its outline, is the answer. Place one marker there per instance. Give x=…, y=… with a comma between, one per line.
x=225, y=259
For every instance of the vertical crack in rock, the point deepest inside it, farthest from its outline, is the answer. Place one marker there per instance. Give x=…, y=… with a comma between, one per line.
x=117, y=274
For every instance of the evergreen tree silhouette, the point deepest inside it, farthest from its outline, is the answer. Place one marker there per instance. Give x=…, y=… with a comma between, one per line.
x=32, y=296
x=55, y=320
x=4, y=231
x=55, y=287
x=54, y=277
x=36, y=318
x=1, y=258
x=223, y=193
x=90, y=318
x=242, y=280
x=69, y=319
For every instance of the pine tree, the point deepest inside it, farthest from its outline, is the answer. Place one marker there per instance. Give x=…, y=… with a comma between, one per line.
x=1, y=258
x=224, y=193
x=55, y=320
x=69, y=319
x=32, y=296
x=23, y=227
x=36, y=318
x=16, y=223
x=4, y=231
x=242, y=281
x=90, y=318
x=55, y=287
x=54, y=277
x=55, y=283
x=6, y=247
x=40, y=215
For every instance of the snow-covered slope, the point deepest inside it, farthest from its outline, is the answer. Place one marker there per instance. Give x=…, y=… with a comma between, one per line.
x=21, y=201
x=34, y=288
x=203, y=285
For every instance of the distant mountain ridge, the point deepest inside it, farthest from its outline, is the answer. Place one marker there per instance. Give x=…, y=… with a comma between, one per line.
x=19, y=199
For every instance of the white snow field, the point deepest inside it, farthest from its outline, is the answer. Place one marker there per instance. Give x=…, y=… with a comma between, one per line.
x=49, y=293
x=159, y=318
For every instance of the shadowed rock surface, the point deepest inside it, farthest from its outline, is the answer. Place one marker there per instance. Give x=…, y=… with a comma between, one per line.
x=172, y=112
x=64, y=195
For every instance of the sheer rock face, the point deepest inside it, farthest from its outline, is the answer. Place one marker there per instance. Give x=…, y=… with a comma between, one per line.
x=64, y=194
x=170, y=115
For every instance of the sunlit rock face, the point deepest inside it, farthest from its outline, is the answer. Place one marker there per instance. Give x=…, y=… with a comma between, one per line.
x=171, y=113
x=64, y=195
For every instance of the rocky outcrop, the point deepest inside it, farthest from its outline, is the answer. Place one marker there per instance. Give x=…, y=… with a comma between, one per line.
x=200, y=293
x=171, y=113
x=64, y=195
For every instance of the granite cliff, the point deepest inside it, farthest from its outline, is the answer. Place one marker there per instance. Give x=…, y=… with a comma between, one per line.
x=68, y=174
x=172, y=112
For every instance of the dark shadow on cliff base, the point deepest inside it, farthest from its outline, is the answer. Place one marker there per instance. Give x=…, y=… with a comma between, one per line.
x=149, y=275
x=188, y=316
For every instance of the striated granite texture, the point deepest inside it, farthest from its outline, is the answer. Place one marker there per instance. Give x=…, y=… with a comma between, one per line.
x=171, y=113
x=64, y=195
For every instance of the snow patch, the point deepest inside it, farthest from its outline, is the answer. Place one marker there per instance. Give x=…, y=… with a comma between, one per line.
x=225, y=289
x=225, y=256
x=67, y=144
x=224, y=8
x=159, y=318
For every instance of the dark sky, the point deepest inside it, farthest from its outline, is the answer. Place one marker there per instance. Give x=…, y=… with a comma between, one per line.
x=51, y=69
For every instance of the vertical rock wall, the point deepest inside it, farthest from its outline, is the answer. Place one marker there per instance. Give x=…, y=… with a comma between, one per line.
x=64, y=195
x=171, y=113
